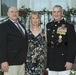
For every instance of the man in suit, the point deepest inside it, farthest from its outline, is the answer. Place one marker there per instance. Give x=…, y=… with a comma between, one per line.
x=60, y=44
x=13, y=45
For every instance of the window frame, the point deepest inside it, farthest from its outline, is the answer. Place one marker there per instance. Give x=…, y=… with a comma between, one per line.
x=7, y=5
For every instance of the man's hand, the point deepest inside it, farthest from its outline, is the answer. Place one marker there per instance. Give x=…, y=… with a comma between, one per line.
x=4, y=66
x=68, y=65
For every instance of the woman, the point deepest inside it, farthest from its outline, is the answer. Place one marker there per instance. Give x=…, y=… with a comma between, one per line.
x=35, y=62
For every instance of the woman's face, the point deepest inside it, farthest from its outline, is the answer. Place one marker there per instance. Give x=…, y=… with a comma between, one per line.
x=35, y=20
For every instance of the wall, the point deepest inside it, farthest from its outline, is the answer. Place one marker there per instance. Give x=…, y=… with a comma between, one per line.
x=21, y=3
x=73, y=3
x=30, y=4
x=49, y=4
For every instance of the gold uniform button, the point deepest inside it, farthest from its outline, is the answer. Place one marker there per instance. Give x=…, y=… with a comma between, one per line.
x=52, y=42
x=62, y=54
x=55, y=25
x=53, y=30
x=52, y=36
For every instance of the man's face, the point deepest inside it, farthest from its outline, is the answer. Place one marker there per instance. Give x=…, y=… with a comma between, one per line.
x=13, y=13
x=57, y=13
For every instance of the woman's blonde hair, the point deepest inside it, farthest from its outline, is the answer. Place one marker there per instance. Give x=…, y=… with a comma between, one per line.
x=34, y=13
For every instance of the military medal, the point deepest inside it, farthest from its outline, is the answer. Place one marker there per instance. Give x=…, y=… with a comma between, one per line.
x=62, y=30
x=60, y=39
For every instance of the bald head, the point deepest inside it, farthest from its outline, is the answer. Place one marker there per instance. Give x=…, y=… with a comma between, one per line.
x=12, y=8
x=13, y=13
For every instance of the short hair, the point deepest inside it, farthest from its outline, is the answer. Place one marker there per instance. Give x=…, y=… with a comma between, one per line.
x=34, y=13
x=58, y=6
x=11, y=7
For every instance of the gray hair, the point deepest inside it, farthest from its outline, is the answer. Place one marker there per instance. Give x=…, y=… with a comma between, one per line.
x=58, y=6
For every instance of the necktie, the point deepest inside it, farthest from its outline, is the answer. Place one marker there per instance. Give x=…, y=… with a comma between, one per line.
x=20, y=29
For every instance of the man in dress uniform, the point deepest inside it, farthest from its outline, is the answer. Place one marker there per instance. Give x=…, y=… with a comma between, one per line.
x=60, y=44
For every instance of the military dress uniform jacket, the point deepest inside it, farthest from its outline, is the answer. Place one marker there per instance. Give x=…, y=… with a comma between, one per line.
x=60, y=44
x=13, y=46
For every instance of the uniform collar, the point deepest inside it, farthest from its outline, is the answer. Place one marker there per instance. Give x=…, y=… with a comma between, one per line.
x=61, y=21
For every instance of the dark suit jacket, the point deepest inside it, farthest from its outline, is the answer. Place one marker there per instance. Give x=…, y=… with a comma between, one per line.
x=13, y=46
x=60, y=53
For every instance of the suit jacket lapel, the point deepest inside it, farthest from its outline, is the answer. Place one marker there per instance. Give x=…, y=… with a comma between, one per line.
x=11, y=24
x=24, y=28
